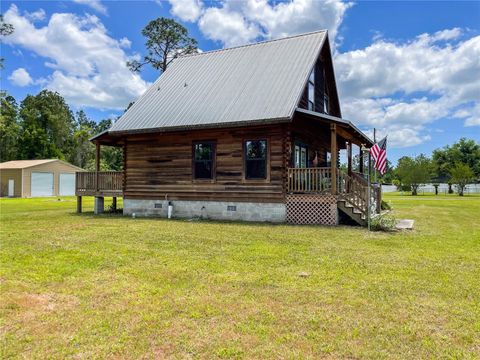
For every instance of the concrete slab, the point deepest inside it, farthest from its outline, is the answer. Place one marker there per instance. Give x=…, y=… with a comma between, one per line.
x=405, y=224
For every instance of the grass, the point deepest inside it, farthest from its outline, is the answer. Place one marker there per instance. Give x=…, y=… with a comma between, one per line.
x=85, y=286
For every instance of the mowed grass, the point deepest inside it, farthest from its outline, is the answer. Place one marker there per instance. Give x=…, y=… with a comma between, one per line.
x=85, y=286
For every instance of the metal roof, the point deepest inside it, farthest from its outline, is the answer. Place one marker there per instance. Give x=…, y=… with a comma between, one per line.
x=335, y=119
x=23, y=164
x=251, y=83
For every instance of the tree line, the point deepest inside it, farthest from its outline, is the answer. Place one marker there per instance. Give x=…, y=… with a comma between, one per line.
x=43, y=126
x=457, y=165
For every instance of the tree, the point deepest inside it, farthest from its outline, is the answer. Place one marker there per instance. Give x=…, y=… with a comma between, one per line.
x=83, y=151
x=9, y=128
x=465, y=151
x=413, y=172
x=47, y=126
x=461, y=175
x=5, y=30
x=166, y=40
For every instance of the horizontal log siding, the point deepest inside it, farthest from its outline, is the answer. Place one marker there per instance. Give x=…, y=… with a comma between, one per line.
x=161, y=164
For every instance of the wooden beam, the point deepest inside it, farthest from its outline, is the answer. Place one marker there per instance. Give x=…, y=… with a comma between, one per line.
x=97, y=163
x=334, y=152
x=97, y=156
x=79, y=204
x=349, y=155
x=360, y=158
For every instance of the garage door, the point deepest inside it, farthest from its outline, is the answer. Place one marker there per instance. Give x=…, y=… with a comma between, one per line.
x=67, y=184
x=42, y=184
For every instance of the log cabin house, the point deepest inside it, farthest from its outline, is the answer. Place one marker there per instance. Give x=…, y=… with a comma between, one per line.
x=245, y=133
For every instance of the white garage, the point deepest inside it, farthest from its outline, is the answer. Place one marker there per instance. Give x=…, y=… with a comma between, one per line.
x=42, y=184
x=35, y=178
x=67, y=184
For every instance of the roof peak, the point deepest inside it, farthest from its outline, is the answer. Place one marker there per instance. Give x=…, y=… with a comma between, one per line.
x=255, y=43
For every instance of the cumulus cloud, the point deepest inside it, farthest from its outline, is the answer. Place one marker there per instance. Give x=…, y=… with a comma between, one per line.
x=20, y=77
x=94, y=4
x=240, y=22
x=38, y=15
x=227, y=26
x=401, y=87
x=187, y=10
x=89, y=67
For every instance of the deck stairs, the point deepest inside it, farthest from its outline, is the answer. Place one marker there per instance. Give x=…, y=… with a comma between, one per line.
x=353, y=197
x=352, y=211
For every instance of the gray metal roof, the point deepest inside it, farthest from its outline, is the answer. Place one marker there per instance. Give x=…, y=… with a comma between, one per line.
x=258, y=82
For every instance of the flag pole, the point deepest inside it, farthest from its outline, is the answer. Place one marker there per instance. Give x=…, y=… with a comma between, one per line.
x=375, y=140
x=365, y=149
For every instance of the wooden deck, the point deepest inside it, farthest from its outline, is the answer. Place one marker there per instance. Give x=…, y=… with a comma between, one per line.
x=99, y=183
x=350, y=190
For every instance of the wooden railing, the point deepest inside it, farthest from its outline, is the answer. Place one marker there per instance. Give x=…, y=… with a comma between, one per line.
x=108, y=183
x=353, y=188
x=309, y=180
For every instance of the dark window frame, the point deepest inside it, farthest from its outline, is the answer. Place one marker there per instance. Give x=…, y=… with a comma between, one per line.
x=310, y=103
x=267, y=160
x=213, y=160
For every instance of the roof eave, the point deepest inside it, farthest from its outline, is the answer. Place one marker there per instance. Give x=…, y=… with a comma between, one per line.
x=336, y=120
x=201, y=126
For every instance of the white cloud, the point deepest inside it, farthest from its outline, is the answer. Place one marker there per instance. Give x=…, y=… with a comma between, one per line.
x=240, y=22
x=471, y=115
x=89, y=66
x=380, y=85
x=125, y=43
x=187, y=10
x=21, y=77
x=94, y=4
x=36, y=15
x=227, y=26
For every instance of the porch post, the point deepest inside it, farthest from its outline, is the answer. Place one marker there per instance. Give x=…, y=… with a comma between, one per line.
x=349, y=158
x=333, y=151
x=360, y=158
x=97, y=163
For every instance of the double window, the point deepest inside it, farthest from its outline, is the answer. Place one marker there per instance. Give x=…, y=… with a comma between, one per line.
x=311, y=91
x=256, y=159
x=203, y=160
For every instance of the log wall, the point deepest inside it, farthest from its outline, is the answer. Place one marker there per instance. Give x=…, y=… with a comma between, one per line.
x=160, y=164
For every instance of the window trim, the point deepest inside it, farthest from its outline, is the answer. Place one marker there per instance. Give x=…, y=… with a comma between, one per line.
x=214, y=161
x=267, y=160
x=311, y=82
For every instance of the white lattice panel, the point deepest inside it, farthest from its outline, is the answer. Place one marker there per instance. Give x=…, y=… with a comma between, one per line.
x=305, y=209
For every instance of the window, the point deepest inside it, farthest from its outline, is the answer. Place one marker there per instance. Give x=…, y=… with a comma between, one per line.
x=301, y=159
x=203, y=160
x=256, y=159
x=311, y=91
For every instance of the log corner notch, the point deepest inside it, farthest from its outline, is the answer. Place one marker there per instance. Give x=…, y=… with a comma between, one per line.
x=334, y=153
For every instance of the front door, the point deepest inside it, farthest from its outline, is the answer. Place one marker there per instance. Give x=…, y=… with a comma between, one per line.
x=11, y=187
x=301, y=156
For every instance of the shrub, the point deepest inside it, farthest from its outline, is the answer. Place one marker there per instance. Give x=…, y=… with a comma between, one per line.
x=385, y=206
x=385, y=222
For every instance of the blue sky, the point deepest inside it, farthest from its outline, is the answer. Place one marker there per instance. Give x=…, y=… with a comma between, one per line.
x=409, y=69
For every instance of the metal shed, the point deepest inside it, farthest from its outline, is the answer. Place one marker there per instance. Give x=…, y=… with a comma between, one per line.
x=35, y=178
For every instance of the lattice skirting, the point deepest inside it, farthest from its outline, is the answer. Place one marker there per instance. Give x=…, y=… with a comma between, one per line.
x=312, y=209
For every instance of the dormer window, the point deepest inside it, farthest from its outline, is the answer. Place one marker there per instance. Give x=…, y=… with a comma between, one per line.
x=311, y=91
x=326, y=103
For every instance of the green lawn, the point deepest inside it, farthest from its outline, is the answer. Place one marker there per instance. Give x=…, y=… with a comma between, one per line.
x=84, y=286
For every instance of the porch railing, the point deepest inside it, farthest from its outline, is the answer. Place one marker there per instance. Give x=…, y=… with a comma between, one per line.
x=309, y=180
x=108, y=183
x=353, y=188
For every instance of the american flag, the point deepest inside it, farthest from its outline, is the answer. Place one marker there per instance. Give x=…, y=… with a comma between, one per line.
x=379, y=154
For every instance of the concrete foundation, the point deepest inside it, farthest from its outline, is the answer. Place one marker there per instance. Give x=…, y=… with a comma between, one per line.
x=214, y=210
x=98, y=205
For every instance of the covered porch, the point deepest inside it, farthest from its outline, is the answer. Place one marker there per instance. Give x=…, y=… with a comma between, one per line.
x=316, y=185
x=100, y=184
